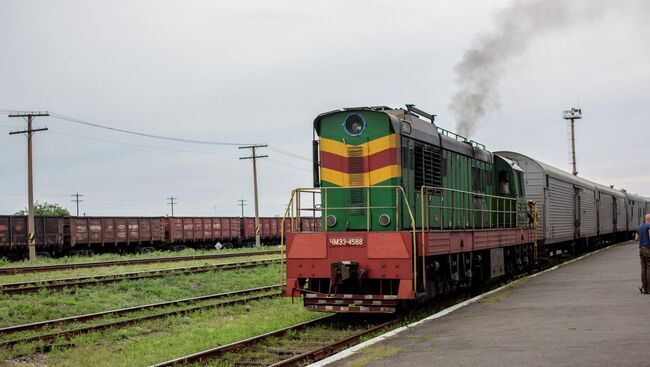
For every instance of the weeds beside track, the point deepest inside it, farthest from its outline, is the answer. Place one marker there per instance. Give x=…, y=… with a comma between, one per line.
x=251, y=294
x=150, y=260
x=60, y=283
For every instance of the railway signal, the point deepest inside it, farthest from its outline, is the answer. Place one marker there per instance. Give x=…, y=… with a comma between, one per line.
x=254, y=157
x=30, y=177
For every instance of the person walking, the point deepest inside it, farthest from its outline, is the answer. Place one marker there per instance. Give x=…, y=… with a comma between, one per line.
x=643, y=236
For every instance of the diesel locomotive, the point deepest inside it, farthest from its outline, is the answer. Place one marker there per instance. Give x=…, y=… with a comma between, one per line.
x=411, y=211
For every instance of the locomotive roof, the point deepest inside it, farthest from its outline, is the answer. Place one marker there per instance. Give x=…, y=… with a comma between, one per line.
x=425, y=131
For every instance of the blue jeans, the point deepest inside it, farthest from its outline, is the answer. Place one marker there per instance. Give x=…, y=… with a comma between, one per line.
x=644, y=254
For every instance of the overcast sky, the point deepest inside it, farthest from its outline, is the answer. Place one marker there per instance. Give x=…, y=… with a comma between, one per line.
x=260, y=71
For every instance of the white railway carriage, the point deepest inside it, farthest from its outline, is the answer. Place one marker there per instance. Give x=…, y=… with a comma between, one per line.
x=636, y=209
x=571, y=208
x=611, y=210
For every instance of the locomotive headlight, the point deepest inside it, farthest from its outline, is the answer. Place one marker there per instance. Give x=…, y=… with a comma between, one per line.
x=331, y=221
x=384, y=220
x=354, y=125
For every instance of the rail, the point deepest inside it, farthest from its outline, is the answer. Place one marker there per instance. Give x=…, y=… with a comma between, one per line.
x=232, y=298
x=320, y=204
x=76, y=282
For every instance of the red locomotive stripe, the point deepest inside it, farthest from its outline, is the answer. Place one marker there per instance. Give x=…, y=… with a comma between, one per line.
x=375, y=161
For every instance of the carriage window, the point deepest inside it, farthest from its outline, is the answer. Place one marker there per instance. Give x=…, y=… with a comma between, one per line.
x=504, y=183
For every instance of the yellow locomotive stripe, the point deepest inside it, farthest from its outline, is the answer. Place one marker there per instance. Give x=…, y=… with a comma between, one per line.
x=360, y=179
x=371, y=147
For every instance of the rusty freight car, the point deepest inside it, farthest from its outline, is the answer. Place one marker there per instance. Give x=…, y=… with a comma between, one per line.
x=203, y=231
x=270, y=228
x=13, y=233
x=122, y=232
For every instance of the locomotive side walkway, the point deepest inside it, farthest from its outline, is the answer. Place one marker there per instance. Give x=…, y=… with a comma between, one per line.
x=588, y=313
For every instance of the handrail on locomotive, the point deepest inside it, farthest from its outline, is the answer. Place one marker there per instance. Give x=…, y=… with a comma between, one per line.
x=294, y=210
x=490, y=210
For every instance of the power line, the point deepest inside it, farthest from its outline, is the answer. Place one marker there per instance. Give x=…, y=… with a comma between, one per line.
x=97, y=125
x=289, y=165
x=139, y=145
x=170, y=149
x=288, y=153
x=219, y=203
x=147, y=135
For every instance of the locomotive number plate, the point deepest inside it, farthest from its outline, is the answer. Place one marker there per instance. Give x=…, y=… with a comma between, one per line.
x=354, y=241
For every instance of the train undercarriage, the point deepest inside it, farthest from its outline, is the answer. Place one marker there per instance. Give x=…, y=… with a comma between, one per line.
x=357, y=285
x=379, y=277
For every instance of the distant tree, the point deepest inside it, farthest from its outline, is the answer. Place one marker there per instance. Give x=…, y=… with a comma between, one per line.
x=47, y=210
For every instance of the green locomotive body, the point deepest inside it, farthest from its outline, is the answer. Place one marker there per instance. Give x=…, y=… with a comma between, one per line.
x=408, y=211
x=449, y=182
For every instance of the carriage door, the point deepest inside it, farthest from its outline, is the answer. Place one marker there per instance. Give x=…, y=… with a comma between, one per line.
x=576, y=211
x=615, y=214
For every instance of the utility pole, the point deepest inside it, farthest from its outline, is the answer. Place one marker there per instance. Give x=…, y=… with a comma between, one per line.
x=31, y=231
x=172, y=201
x=255, y=157
x=242, y=203
x=77, y=200
x=572, y=115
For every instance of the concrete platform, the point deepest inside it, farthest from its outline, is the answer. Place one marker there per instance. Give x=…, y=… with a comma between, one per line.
x=588, y=313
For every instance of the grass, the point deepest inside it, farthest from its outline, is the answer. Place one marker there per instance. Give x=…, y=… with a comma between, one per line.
x=113, y=256
x=372, y=354
x=297, y=341
x=108, y=270
x=159, y=340
x=46, y=305
x=178, y=309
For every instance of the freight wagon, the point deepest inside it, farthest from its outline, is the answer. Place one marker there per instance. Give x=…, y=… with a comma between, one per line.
x=69, y=235
x=270, y=228
x=13, y=233
x=203, y=231
x=118, y=233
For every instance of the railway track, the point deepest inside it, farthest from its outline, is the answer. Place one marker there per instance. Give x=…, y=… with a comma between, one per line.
x=248, y=295
x=284, y=347
x=151, y=260
x=60, y=283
